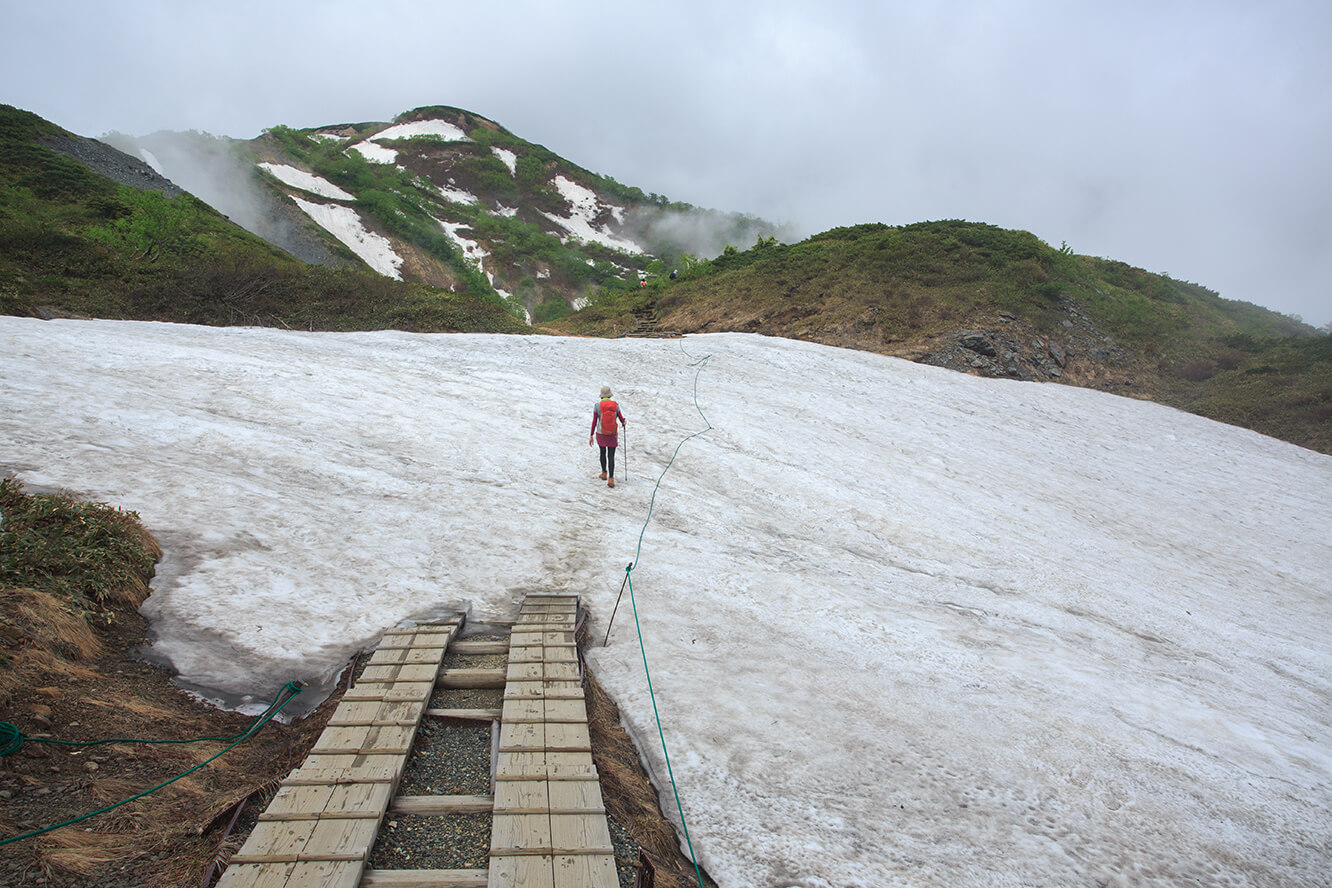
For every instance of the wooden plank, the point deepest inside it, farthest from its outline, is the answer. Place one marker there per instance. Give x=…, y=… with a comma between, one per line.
x=409, y=690
x=443, y=804
x=470, y=646
x=519, y=832
x=298, y=803
x=348, y=801
x=565, y=711
x=339, y=769
x=565, y=764
x=384, y=656
x=471, y=678
x=523, y=794
x=367, y=713
x=278, y=841
x=425, y=878
x=466, y=714
x=522, y=736
x=354, y=712
x=323, y=874
x=255, y=875
x=386, y=672
x=521, y=872
x=418, y=672
x=548, y=852
x=341, y=839
x=359, y=799
x=366, y=740
x=567, y=738
x=550, y=765
x=517, y=709
x=432, y=656
x=546, y=690
x=562, y=672
x=575, y=795
x=548, y=811
x=580, y=831
x=525, y=671
x=582, y=871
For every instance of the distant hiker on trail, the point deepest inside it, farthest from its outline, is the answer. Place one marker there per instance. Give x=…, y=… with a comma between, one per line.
x=605, y=433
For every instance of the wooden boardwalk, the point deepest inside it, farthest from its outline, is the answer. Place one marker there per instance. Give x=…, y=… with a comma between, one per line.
x=549, y=826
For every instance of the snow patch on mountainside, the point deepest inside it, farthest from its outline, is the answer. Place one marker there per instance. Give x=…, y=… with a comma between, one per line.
x=443, y=129
x=289, y=175
x=345, y=224
x=375, y=153
x=581, y=223
x=510, y=159
x=472, y=250
x=457, y=195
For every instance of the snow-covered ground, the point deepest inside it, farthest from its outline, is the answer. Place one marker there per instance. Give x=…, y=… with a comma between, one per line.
x=472, y=250
x=345, y=224
x=441, y=129
x=306, y=181
x=375, y=152
x=509, y=158
x=586, y=206
x=458, y=195
x=906, y=627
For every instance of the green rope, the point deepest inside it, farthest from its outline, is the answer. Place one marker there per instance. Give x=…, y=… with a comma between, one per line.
x=291, y=687
x=700, y=363
x=628, y=572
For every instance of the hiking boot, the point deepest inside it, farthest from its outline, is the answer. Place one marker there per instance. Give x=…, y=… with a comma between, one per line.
x=610, y=483
x=603, y=476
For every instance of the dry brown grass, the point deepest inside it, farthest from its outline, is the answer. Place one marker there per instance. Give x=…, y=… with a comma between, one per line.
x=630, y=796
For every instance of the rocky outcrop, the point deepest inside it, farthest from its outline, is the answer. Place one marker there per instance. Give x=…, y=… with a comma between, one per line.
x=116, y=165
x=1013, y=349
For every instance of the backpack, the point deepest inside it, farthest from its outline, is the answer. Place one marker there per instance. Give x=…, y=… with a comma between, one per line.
x=608, y=410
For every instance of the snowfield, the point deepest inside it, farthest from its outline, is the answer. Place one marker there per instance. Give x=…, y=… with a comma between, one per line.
x=306, y=181
x=906, y=627
x=345, y=224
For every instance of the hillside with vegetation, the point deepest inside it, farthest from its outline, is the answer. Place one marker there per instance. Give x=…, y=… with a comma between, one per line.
x=1001, y=303
x=86, y=230
x=444, y=197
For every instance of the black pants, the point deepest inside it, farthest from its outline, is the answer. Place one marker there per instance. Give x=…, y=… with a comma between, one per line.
x=608, y=461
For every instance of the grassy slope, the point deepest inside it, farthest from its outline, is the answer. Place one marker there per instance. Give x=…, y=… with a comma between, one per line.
x=910, y=290
x=76, y=243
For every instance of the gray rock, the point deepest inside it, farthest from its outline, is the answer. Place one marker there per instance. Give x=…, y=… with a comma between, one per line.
x=1057, y=352
x=979, y=343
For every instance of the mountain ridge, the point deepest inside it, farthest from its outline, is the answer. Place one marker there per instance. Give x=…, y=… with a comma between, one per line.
x=480, y=227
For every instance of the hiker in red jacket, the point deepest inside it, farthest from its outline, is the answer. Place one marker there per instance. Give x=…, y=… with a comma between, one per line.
x=605, y=433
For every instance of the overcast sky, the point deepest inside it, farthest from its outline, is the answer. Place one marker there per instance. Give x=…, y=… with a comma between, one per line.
x=1191, y=138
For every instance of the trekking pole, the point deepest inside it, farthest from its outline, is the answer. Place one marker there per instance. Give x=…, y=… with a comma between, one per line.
x=624, y=428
